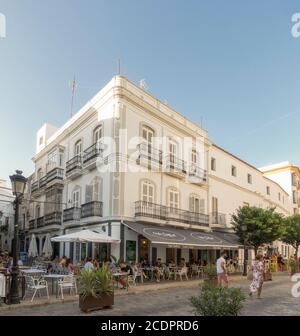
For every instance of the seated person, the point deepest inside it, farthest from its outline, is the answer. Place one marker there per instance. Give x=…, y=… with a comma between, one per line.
x=158, y=270
x=124, y=269
x=182, y=262
x=89, y=265
x=70, y=267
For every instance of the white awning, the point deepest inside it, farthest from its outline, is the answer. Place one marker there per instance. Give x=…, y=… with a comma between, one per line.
x=85, y=236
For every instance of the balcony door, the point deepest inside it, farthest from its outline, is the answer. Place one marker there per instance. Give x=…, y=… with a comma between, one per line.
x=78, y=148
x=147, y=135
x=147, y=197
x=97, y=135
x=173, y=204
x=76, y=198
x=173, y=153
x=194, y=159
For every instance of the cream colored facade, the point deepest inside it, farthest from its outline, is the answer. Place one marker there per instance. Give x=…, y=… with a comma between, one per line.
x=126, y=157
x=288, y=176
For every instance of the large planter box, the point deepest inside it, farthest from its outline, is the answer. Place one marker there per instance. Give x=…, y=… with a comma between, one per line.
x=91, y=303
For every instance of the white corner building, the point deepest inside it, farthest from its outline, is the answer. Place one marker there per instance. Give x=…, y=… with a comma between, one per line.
x=131, y=167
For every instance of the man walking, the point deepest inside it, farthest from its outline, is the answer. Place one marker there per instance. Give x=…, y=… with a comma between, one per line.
x=221, y=270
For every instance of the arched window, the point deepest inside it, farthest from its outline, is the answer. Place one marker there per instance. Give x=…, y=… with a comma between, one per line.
x=76, y=200
x=147, y=134
x=37, y=211
x=97, y=134
x=39, y=174
x=147, y=191
x=78, y=148
x=93, y=190
x=196, y=204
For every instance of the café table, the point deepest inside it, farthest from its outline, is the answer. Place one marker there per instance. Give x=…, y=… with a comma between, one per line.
x=55, y=278
x=118, y=275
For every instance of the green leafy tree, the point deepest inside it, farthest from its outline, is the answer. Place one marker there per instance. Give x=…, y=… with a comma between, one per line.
x=291, y=234
x=263, y=226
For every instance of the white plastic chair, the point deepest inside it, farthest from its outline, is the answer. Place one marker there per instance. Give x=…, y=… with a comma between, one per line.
x=35, y=285
x=181, y=272
x=68, y=281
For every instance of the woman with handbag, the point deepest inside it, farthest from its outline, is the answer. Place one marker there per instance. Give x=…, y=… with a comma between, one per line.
x=258, y=276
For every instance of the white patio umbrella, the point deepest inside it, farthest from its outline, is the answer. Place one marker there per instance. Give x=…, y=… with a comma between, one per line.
x=85, y=236
x=32, y=251
x=47, y=249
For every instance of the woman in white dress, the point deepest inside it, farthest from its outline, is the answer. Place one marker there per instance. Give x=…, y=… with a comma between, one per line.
x=258, y=276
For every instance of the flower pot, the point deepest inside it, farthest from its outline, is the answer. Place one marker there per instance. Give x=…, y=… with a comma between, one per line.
x=91, y=303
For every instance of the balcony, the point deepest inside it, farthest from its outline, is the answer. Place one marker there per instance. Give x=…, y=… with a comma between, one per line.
x=71, y=214
x=147, y=210
x=55, y=177
x=197, y=175
x=40, y=222
x=32, y=224
x=91, y=156
x=91, y=209
x=74, y=167
x=53, y=218
x=149, y=156
x=218, y=219
x=174, y=166
x=34, y=187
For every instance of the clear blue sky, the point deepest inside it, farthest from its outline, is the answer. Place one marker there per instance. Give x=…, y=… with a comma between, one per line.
x=233, y=63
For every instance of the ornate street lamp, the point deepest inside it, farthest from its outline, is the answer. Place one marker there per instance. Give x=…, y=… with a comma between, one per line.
x=244, y=229
x=18, y=182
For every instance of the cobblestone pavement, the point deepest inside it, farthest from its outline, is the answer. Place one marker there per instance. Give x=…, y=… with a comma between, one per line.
x=276, y=300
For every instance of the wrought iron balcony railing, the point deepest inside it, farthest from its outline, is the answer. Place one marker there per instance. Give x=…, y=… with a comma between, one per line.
x=70, y=214
x=197, y=172
x=157, y=211
x=92, y=152
x=53, y=218
x=149, y=153
x=40, y=222
x=218, y=218
x=56, y=173
x=32, y=224
x=92, y=209
x=174, y=164
x=74, y=163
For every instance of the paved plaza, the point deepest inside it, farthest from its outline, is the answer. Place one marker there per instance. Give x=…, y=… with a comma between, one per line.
x=276, y=300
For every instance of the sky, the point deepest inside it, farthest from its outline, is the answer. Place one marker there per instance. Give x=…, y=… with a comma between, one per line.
x=232, y=65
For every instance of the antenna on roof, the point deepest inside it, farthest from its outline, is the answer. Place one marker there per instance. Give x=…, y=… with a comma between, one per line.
x=73, y=86
x=143, y=84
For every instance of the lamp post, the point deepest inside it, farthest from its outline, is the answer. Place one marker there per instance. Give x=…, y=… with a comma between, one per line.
x=18, y=182
x=244, y=229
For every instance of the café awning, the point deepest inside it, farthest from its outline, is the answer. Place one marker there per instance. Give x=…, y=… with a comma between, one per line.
x=173, y=237
x=85, y=236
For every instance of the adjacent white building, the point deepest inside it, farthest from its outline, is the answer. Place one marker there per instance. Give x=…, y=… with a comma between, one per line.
x=288, y=176
x=129, y=166
x=6, y=216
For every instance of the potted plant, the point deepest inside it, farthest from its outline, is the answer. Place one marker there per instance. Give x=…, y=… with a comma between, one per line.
x=210, y=275
x=96, y=289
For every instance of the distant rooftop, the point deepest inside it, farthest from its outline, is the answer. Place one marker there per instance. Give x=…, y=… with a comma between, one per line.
x=284, y=164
